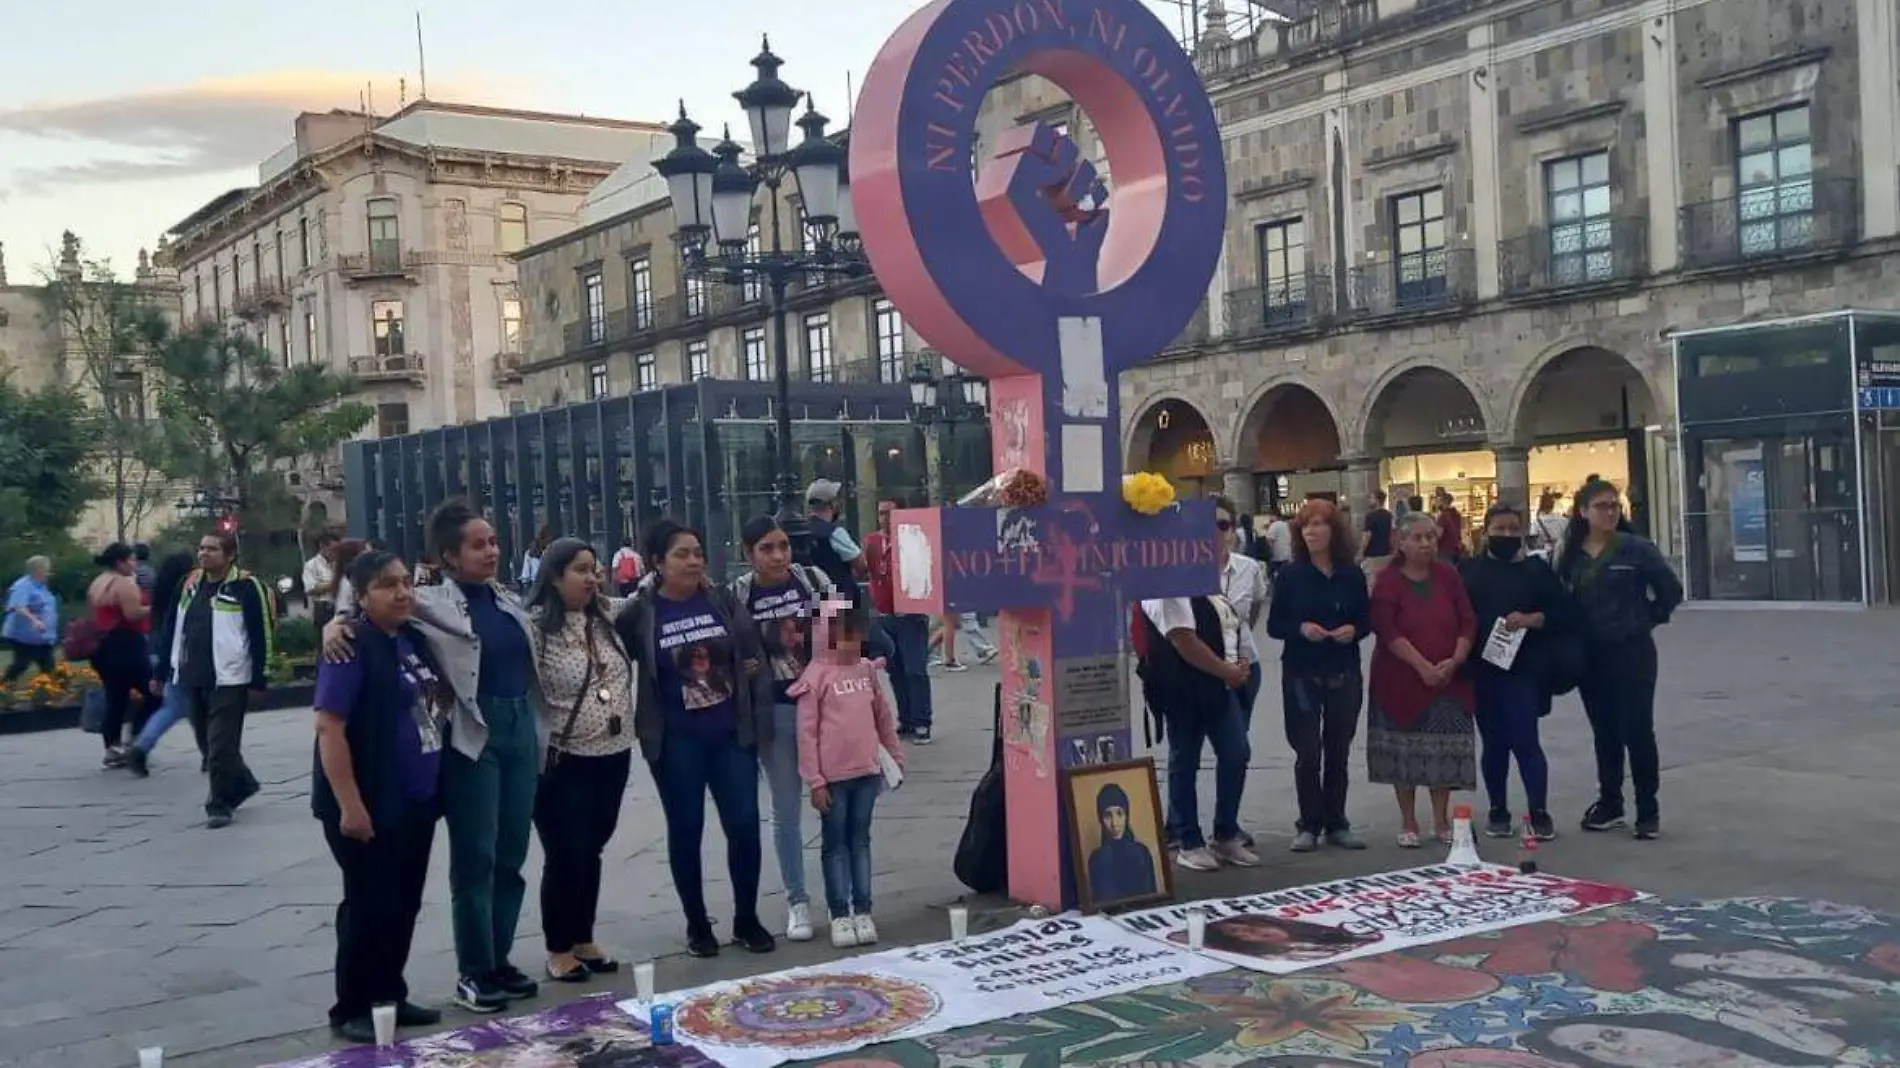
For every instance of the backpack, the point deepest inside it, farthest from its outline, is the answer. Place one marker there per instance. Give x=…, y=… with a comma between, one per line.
x=627, y=571
x=1138, y=631
x=982, y=857
x=82, y=639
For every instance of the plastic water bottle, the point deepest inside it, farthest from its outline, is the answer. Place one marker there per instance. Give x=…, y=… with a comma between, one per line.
x=1464, y=845
x=1527, y=849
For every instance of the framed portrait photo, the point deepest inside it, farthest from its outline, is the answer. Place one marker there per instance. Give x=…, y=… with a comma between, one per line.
x=1120, y=857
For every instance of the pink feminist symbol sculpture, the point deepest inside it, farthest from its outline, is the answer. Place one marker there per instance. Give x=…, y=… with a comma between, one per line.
x=1039, y=277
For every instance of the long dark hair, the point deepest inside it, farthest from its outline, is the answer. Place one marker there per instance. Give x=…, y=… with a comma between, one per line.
x=544, y=597
x=1579, y=526
x=169, y=583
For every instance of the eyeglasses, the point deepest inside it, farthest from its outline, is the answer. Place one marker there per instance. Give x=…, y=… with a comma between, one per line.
x=1223, y=525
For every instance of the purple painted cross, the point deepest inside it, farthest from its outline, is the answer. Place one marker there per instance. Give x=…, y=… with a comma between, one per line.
x=1026, y=276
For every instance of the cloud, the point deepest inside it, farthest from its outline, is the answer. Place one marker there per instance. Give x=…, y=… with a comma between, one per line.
x=206, y=127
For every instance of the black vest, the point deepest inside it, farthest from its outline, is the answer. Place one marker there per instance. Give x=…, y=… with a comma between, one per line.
x=824, y=555
x=1170, y=681
x=372, y=730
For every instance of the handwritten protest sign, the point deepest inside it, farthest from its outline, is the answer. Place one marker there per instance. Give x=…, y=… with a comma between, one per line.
x=1284, y=931
x=908, y=993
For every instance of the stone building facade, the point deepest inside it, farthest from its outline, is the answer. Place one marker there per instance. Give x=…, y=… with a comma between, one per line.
x=382, y=246
x=1463, y=233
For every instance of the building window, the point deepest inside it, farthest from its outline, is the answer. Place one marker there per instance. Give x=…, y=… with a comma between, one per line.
x=698, y=360
x=385, y=321
x=385, y=235
x=514, y=227
x=277, y=253
x=594, y=305
x=283, y=339
x=1418, y=233
x=257, y=261
x=640, y=285
x=310, y=337
x=1579, y=192
x=818, y=347
x=392, y=420
x=1283, y=270
x=646, y=372
x=127, y=397
x=887, y=323
x=217, y=291
x=1774, y=171
x=753, y=291
x=752, y=345
x=695, y=296
x=597, y=380
x=198, y=295
x=511, y=324
x=303, y=242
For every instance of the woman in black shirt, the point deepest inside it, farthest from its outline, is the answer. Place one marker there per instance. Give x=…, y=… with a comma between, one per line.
x=1321, y=611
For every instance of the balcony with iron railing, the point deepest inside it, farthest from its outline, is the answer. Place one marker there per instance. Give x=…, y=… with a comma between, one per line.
x=1553, y=260
x=393, y=367
x=1796, y=218
x=1280, y=306
x=384, y=263
x=1434, y=280
x=592, y=332
x=508, y=368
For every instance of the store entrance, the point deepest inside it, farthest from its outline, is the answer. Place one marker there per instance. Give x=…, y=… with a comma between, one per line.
x=1287, y=489
x=1779, y=518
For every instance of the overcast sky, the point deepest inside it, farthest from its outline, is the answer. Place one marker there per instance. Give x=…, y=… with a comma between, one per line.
x=118, y=118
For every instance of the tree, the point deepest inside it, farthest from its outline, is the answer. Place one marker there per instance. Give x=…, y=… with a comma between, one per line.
x=234, y=417
x=109, y=325
x=45, y=441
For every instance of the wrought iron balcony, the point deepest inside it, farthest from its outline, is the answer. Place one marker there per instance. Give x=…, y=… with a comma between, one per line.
x=590, y=332
x=396, y=367
x=508, y=368
x=1794, y=218
x=381, y=264
x=1280, y=306
x=271, y=295
x=1433, y=280
x=1588, y=252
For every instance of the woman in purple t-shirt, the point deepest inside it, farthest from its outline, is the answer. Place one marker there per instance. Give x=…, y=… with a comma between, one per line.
x=380, y=721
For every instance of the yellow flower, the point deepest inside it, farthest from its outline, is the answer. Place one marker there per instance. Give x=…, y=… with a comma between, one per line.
x=1147, y=492
x=1327, y=1011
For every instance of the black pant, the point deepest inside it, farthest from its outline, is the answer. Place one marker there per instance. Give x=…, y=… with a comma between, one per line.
x=321, y=613
x=25, y=655
x=575, y=811
x=125, y=669
x=1322, y=716
x=217, y=715
x=1619, y=696
x=375, y=921
x=693, y=765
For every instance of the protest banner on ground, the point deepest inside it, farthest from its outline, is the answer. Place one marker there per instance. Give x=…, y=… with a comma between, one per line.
x=1284, y=931
x=908, y=993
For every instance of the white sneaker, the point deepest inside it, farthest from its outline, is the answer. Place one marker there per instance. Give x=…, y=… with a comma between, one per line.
x=1201, y=859
x=844, y=932
x=798, y=923
x=867, y=931
x=1235, y=852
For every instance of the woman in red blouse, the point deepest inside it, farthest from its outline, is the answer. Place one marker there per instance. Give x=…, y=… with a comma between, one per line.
x=1419, y=731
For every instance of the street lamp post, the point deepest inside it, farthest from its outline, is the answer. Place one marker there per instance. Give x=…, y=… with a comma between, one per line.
x=712, y=195
x=944, y=400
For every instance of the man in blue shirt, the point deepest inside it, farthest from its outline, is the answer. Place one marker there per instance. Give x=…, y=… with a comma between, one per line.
x=833, y=550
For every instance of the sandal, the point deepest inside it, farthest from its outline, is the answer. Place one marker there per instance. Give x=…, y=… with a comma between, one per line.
x=1408, y=840
x=1444, y=837
x=599, y=965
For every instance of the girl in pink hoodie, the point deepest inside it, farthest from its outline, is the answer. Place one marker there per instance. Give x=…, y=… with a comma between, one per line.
x=843, y=723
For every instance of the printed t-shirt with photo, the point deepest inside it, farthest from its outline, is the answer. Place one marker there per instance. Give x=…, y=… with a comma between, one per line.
x=695, y=668
x=783, y=614
x=418, y=737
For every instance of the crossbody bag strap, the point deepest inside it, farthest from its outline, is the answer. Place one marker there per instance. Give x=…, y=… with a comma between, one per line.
x=580, y=697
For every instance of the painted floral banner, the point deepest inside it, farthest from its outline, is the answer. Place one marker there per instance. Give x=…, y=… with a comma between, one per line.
x=1285, y=931
x=822, y=1011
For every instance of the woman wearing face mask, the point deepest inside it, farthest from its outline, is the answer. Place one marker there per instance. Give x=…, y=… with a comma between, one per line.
x=782, y=598
x=1519, y=593
x=703, y=708
x=587, y=708
x=1624, y=590
x=482, y=638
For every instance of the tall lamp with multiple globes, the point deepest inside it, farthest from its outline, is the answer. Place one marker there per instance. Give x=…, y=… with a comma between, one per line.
x=945, y=399
x=712, y=197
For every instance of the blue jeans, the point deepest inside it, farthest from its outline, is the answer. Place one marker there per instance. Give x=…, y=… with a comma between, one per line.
x=489, y=806
x=847, y=845
x=1508, y=708
x=780, y=760
x=909, y=669
x=1249, y=694
x=169, y=713
x=691, y=766
x=1224, y=727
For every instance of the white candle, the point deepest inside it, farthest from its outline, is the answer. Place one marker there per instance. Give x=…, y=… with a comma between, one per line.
x=959, y=923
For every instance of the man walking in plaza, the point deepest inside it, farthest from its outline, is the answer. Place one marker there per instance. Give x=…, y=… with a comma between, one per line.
x=909, y=669
x=319, y=580
x=1375, y=541
x=214, y=654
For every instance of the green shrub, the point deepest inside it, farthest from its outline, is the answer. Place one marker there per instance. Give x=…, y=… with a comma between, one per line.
x=297, y=637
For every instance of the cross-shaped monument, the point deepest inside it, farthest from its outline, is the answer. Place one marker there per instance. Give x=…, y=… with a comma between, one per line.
x=1026, y=275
